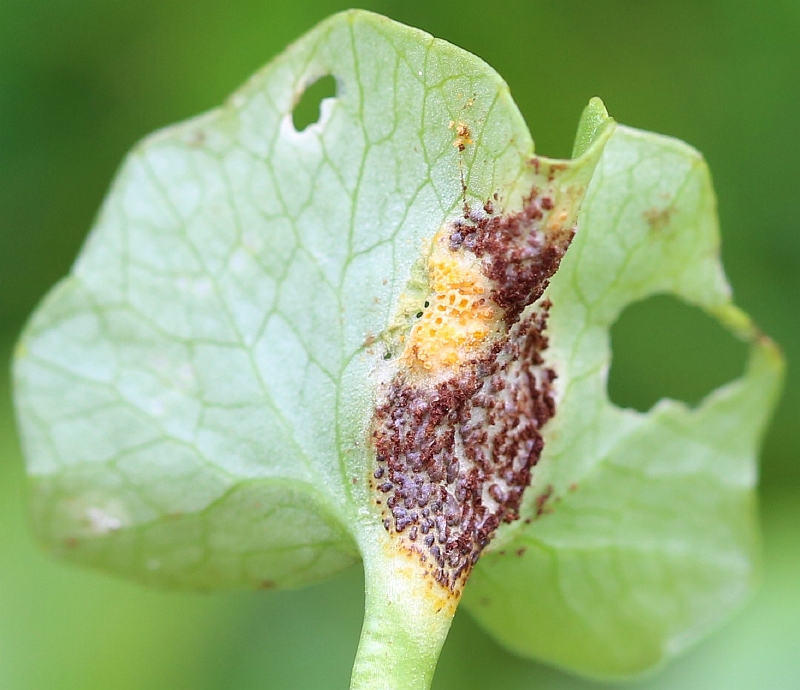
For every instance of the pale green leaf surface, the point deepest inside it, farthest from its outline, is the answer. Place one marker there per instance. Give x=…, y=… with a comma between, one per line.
x=640, y=529
x=192, y=398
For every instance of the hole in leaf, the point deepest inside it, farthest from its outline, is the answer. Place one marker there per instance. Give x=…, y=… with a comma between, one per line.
x=307, y=110
x=664, y=348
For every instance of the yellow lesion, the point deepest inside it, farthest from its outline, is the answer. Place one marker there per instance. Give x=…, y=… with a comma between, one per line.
x=463, y=134
x=406, y=562
x=459, y=317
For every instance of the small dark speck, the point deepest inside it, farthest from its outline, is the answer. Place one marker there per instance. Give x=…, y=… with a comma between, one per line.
x=521, y=551
x=419, y=314
x=542, y=499
x=456, y=240
x=657, y=218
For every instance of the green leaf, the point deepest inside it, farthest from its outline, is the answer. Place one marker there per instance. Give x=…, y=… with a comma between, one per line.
x=639, y=532
x=193, y=396
x=206, y=400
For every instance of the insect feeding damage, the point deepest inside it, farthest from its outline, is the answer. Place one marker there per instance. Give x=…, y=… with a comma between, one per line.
x=457, y=427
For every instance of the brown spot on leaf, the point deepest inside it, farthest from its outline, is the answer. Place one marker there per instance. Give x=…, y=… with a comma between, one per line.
x=457, y=428
x=454, y=458
x=463, y=134
x=542, y=499
x=519, y=252
x=659, y=218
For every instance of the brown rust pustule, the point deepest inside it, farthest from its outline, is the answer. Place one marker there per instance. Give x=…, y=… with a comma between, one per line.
x=519, y=252
x=455, y=446
x=454, y=459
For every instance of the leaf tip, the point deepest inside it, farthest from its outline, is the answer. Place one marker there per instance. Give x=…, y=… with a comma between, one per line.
x=595, y=125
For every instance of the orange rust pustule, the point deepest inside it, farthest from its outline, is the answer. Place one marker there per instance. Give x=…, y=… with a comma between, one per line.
x=453, y=459
x=516, y=251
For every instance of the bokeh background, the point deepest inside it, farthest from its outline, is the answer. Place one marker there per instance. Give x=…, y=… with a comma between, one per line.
x=82, y=80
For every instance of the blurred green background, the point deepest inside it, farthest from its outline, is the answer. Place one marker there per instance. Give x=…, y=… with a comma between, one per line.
x=82, y=80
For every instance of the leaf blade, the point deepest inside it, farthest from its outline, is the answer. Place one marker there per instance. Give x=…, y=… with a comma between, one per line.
x=641, y=527
x=226, y=247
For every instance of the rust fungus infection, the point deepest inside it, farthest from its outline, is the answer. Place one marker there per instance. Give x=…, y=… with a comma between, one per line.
x=459, y=315
x=659, y=218
x=463, y=134
x=457, y=426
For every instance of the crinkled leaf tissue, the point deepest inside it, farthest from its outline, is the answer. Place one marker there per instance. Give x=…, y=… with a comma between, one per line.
x=386, y=337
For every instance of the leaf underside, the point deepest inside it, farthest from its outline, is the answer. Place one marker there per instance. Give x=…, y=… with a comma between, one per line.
x=193, y=397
